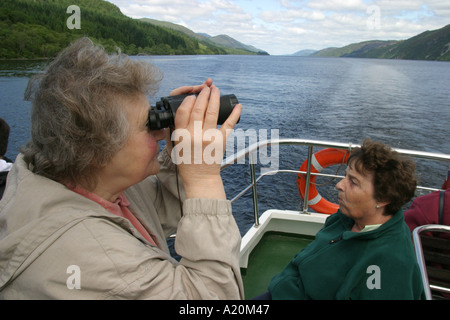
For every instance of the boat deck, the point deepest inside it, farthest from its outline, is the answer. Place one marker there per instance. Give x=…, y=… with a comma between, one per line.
x=269, y=257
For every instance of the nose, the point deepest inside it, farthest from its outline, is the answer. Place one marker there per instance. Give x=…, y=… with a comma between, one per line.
x=158, y=134
x=339, y=185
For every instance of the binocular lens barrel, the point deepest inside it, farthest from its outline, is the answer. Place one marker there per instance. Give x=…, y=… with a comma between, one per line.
x=163, y=115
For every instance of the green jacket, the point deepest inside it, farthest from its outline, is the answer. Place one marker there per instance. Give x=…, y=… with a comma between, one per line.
x=340, y=264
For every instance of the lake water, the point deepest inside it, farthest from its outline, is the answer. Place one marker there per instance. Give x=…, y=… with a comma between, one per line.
x=403, y=103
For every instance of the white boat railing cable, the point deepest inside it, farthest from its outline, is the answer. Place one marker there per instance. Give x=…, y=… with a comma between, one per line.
x=249, y=151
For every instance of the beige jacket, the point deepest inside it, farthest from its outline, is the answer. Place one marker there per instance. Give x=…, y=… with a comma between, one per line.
x=56, y=244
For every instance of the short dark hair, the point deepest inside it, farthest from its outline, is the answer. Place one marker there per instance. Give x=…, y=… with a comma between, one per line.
x=394, y=175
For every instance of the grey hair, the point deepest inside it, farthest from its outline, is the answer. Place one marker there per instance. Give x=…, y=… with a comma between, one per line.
x=77, y=119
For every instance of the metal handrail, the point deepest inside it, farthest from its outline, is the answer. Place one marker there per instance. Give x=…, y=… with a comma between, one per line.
x=420, y=256
x=323, y=144
x=310, y=144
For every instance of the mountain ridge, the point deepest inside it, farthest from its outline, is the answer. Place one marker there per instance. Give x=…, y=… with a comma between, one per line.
x=221, y=40
x=428, y=45
x=32, y=29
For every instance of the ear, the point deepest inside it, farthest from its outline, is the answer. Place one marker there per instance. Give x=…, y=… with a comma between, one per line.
x=381, y=205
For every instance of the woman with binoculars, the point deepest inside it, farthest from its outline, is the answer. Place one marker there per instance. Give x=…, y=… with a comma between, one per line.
x=90, y=200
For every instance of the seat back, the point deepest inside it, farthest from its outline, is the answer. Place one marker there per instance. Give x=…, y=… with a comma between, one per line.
x=433, y=257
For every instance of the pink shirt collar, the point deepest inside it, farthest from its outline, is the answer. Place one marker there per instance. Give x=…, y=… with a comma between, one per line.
x=119, y=208
x=113, y=207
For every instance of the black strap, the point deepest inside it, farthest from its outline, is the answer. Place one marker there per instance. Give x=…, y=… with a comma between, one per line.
x=441, y=206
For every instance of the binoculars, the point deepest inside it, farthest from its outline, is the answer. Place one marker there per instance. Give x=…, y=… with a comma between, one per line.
x=163, y=115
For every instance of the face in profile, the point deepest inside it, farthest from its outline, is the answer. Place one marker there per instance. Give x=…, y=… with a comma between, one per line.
x=139, y=157
x=356, y=193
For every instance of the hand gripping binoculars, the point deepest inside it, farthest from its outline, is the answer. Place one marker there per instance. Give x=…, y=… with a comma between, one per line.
x=163, y=115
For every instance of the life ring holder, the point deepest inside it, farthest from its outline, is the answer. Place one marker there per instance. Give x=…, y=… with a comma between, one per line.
x=319, y=161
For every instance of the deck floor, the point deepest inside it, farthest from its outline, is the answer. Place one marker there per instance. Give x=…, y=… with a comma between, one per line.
x=270, y=256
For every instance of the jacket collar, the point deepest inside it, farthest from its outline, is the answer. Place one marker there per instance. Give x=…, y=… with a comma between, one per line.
x=392, y=225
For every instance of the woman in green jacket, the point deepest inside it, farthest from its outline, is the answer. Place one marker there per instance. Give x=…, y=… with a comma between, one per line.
x=364, y=250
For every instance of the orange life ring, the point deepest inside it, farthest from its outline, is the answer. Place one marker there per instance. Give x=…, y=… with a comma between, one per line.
x=320, y=160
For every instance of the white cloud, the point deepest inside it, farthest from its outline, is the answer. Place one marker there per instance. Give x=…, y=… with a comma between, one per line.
x=291, y=15
x=337, y=5
x=287, y=26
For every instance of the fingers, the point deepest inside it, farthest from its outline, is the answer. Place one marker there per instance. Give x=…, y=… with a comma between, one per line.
x=205, y=108
x=201, y=105
x=229, y=124
x=183, y=115
x=211, y=113
x=191, y=89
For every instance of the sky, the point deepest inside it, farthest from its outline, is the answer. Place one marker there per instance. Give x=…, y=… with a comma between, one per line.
x=283, y=27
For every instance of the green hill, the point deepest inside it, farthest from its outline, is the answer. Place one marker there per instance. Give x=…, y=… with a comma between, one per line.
x=37, y=28
x=227, y=41
x=354, y=49
x=221, y=42
x=429, y=45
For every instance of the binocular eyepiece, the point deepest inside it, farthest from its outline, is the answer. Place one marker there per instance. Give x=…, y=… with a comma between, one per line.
x=163, y=115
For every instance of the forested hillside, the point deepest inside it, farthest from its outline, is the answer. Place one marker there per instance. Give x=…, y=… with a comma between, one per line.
x=429, y=45
x=231, y=45
x=37, y=28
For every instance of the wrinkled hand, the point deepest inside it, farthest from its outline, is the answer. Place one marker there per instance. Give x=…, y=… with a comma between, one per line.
x=191, y=89
x=183, y=90
x=200, y=145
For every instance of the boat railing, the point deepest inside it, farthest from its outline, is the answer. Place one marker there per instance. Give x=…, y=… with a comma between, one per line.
x=420, y=255
x=311, y=144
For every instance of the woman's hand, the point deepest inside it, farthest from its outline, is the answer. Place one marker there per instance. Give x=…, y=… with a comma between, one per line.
x=200, y=145
x=184, y=90
x=191, y=89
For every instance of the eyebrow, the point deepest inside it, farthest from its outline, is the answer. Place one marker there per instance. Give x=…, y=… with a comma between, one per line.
x=351, y=176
